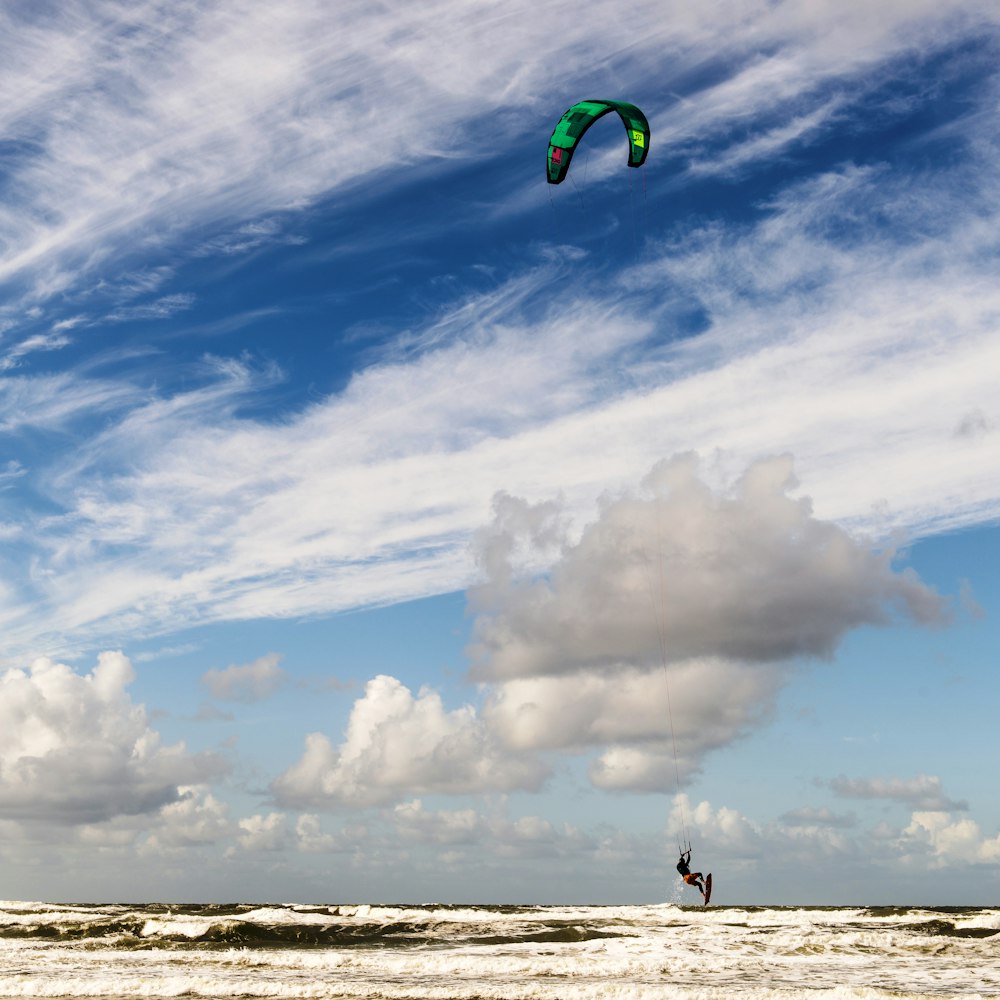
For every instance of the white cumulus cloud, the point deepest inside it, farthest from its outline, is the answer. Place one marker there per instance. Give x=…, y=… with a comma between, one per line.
x=662, y=633
x=262, y=832
x=196, y=819
x=398, y=744
x=684, y=572
x=75, y=748
x=640, y=718
x=947, y=840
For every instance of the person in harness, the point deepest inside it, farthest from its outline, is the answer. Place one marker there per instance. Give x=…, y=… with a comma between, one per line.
x=691, y=878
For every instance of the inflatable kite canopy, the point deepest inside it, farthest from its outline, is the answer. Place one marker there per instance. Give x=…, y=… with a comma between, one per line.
x=574, y=123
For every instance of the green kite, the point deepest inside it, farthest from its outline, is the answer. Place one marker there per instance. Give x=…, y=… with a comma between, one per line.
x=571, y=127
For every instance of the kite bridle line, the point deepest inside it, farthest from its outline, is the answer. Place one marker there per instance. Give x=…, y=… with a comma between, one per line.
x=645, y=209
x=631, y=206
x=579, y=193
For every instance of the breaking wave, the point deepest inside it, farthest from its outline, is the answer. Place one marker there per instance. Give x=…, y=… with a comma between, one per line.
x=331, y=952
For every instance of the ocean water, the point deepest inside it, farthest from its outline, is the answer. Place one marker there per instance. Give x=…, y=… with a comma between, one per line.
x=503, y=952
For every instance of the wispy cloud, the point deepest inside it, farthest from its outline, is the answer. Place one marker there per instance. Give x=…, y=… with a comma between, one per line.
x=162, y=308
x=144, y=120
x=12, y=471
x=51, y=402
x=134, y=119
x=921, y=792
x=769, y=145
x=248, y=682
x=248, y=237
x=808, y=816
x=895, y=349
x=856, y=346
x=39, y=342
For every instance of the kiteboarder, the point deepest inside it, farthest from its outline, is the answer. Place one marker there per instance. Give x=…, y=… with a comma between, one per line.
x=692, y=878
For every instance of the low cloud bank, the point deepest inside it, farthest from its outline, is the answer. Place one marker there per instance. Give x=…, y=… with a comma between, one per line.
x=662, y=632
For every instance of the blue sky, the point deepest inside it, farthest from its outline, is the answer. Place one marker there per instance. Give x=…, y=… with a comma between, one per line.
x=379, y=522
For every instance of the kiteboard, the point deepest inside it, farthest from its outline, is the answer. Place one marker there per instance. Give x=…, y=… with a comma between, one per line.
x=708, y=887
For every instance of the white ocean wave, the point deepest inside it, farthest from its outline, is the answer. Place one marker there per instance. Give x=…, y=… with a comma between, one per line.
x=499, y=952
